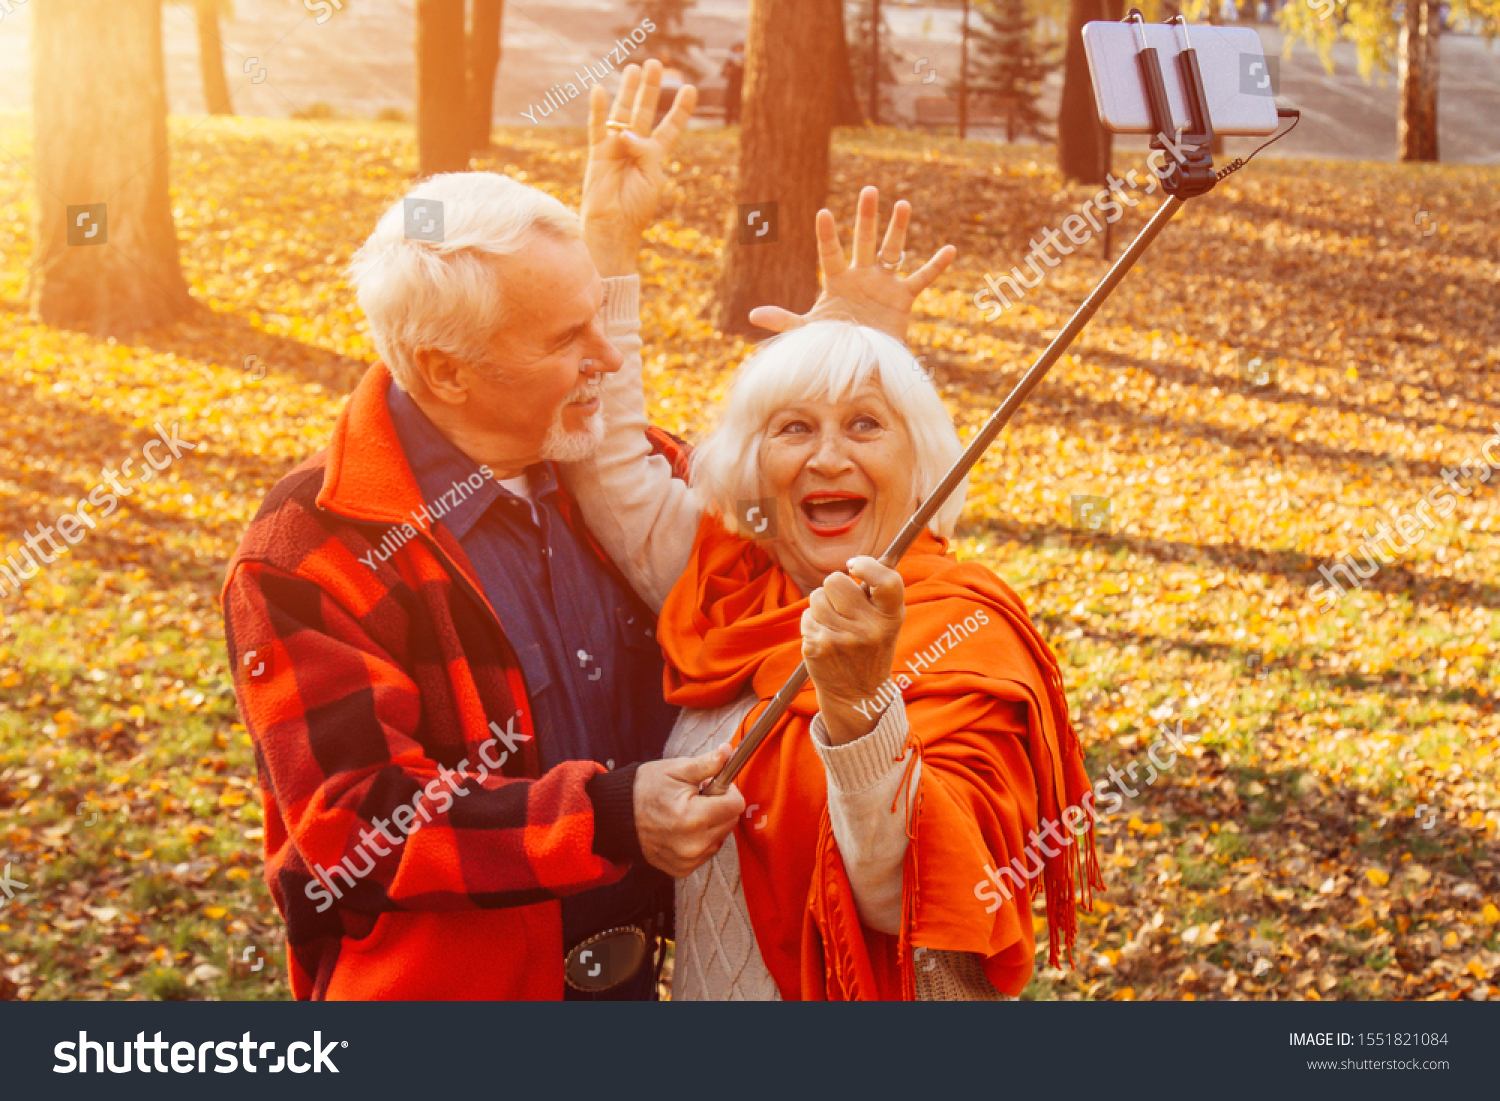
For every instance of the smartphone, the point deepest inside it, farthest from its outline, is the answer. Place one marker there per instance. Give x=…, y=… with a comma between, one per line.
x=1239, y=81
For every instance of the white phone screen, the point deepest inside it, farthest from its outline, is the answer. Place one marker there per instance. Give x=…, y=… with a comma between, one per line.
x=1239, y=81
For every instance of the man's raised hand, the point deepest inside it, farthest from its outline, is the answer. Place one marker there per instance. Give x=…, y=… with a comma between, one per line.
x=625, y=178
x=863, y=289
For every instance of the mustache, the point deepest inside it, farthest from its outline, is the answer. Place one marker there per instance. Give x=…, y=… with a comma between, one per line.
x=583, y=392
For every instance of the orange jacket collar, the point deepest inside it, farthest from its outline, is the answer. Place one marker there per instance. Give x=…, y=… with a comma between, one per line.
x=367, y=475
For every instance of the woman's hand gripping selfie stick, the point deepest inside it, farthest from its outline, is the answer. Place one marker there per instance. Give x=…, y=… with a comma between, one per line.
x=977, y=446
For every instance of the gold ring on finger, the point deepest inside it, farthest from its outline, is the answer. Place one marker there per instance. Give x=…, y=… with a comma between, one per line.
x=615, y=124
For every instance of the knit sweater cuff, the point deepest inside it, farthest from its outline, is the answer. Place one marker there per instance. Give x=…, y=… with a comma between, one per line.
x=613, y=796
x=861, y=764
x=622, y=304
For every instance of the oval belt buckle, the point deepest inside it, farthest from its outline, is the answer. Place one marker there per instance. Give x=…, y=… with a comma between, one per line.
x=606, y=959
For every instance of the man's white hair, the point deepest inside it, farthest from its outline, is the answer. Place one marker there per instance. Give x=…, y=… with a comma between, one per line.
x=825, y=360
x=442, y=294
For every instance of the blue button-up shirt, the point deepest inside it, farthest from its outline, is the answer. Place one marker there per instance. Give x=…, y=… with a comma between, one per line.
x=586, y=644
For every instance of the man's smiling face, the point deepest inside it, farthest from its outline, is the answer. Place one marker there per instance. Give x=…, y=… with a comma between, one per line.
x=539, y=392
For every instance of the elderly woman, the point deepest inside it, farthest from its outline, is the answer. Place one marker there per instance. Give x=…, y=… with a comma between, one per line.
x=932, y=742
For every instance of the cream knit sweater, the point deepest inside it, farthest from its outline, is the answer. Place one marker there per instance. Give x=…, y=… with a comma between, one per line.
x=646, y=521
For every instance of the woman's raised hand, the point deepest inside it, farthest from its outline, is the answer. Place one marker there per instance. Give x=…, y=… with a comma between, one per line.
x=625, y=178
x=870, y=288
x=849, y=645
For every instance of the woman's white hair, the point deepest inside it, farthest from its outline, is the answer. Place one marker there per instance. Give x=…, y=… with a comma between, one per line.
x=825, y=360
x=441, y=293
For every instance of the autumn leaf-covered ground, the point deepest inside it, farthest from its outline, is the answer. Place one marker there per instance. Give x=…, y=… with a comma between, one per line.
x=1332, y=833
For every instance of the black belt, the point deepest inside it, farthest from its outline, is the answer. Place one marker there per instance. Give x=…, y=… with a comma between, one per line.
x=603, y=961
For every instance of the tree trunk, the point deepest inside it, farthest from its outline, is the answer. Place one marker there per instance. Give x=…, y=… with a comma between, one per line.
x=485, y=18
x=211, y=58
x=1083, y=145
x=442, y=121
x=874, y=108
x=1416, y=120
x=99, y=118
x=846, y=108
x=784, y=139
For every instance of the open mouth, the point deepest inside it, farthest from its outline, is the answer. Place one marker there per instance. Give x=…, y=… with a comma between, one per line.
x=832, y=514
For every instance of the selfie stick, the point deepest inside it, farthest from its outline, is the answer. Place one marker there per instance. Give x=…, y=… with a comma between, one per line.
x=1192, y=176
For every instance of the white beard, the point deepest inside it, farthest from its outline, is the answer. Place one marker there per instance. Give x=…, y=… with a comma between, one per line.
x=563, y=446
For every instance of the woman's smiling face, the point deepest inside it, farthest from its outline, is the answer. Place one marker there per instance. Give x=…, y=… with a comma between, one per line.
x=841, y=473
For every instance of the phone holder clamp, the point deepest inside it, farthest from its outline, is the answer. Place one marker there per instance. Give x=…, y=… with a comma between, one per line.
x=1189, y=167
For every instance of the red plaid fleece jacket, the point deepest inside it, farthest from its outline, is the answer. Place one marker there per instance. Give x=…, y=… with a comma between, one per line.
x=377, y=693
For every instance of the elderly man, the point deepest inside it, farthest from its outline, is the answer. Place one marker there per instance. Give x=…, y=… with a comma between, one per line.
x=454, y=698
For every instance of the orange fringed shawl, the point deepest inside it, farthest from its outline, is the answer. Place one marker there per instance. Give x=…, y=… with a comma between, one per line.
x=734, y=616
